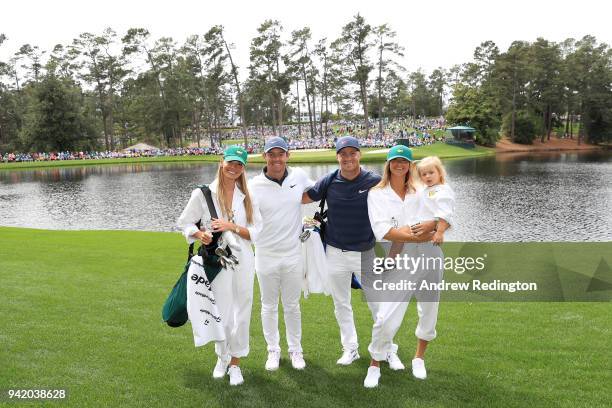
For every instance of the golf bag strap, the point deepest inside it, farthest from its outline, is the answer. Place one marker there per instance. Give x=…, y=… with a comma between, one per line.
x=322, y=213
x=211, y=209
x=322, y=206
x=209, y=201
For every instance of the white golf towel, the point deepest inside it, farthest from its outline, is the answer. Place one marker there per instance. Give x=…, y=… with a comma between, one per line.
x=315, y=266
x=202, y=306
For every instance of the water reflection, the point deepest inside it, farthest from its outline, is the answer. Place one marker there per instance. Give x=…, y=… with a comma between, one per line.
x=510, y=197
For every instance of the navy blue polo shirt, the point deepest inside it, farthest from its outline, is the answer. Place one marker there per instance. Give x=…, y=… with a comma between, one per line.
x=348, y=224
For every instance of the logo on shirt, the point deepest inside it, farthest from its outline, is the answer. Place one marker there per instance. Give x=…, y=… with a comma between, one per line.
x=362, y=191
x=293, y=186
x=431, y=193
x=394, y=222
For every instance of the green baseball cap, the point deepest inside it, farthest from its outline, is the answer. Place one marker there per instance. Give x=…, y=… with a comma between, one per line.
x=235, y=153
x=399, y=151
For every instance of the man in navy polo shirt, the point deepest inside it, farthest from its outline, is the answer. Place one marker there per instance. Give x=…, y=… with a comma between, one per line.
x=348, y=233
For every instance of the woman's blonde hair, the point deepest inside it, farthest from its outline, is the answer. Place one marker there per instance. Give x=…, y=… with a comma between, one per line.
x=226, y=208
x=411, y=180
x=432, y=161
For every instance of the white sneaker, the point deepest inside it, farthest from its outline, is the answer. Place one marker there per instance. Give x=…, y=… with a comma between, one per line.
x=372, y=378
x=297, y=360
x=273, y=360
x=348, y=356
x=221, y=367
x=418, y=368
x=394, y=362
x=235, y=375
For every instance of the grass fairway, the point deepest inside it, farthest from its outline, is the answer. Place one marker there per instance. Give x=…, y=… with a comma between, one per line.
x=325, y=156
x=80, y=310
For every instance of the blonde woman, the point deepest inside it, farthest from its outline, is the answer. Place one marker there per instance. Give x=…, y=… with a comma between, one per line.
x=393, y=206
x=233, y=289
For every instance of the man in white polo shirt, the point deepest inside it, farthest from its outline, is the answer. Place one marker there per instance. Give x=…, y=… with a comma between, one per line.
x=278, y=260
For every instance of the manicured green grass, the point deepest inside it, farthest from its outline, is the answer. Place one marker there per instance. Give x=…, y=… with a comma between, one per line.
x=560, y=130
x=69, y=163
x=441, y=150
x=326, y=156
x=81, y=310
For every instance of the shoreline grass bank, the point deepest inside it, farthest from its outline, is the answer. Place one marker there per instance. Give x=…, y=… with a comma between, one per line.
x=370, y=155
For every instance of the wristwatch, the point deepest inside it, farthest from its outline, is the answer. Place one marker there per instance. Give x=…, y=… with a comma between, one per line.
x=237, y=230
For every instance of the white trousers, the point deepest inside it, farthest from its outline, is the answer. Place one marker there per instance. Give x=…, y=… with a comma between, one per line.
x=391, y=314
x=233, y=290
x=340, y=267
x=280, y=276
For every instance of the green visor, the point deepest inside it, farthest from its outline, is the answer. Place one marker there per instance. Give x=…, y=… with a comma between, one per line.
x=235, y=153
x=399, y=151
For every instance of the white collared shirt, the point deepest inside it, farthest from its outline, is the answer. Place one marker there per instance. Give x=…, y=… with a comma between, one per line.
x=197, y=210
x=281, y=212
x=387, y=210
x=437, y=202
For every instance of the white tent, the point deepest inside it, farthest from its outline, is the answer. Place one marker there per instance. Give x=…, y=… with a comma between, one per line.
x=140, y=147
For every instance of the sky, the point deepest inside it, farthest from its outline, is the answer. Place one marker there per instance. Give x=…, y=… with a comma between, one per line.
x=433, y=33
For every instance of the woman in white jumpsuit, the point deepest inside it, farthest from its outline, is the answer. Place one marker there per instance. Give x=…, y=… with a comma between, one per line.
x=233, y=288
x=393, y=206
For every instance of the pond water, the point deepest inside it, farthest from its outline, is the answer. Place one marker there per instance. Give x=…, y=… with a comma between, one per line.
x=510, y=197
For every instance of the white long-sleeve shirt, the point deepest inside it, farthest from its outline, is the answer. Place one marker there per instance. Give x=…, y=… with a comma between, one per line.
x=387, y=210
x=197, y=210
x=280, y=207
x=437, y=202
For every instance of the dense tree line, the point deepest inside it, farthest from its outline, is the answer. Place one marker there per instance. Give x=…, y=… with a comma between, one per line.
x=107, y=91
x=535, y=87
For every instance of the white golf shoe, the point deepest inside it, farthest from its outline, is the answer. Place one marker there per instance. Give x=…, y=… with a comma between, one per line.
x=348, y=356
x=221, y=367
x=297, y=360
x=235, y=375
x=371, y=380
x=273, y=360
x=394, y=362
x=418, y=368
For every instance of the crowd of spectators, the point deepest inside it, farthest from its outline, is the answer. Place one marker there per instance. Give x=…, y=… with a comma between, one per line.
x=419, y=132
x=121, y=154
